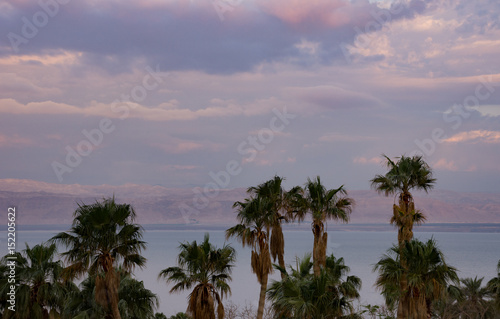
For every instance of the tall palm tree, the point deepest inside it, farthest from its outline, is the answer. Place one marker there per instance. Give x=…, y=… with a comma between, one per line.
x=102, y=237
x=304, y=295
x=322, y=204
x=206, y=268
x=255, y=218
x=40, y=290
x=273, y=192
x=427, y=273
x=406, y=174
x=494, y=288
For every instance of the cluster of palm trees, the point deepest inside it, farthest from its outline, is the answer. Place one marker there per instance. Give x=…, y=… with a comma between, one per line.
x=260, y=218
x=104, y=245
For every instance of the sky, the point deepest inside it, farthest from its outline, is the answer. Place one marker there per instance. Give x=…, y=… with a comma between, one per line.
x=228, y=93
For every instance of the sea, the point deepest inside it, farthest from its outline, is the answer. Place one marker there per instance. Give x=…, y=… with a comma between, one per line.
x=473, y=253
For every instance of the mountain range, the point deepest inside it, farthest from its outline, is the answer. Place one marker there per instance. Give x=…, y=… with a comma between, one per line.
x=40, y=203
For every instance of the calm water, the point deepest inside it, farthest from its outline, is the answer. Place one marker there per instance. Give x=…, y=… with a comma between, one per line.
x=472, y=253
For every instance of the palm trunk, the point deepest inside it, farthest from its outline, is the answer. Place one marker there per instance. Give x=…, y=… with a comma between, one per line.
x=405, y=234
x=114, y=308
x=112, y=285
x=262, y=297
x=278, y=246
x=404, y=302
x=281, y=262
x=319, y=249
x=316, y=268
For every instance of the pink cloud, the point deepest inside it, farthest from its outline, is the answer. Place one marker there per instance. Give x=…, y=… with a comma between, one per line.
x=332, y=13
x=451, y=165
x=477, y=136
x=179, y=146
x=334, y=97
x=365, y=160
x=11, y=141
x=168, y=111
x=445, y=165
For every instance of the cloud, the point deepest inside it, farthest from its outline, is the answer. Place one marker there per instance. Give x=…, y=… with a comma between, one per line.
x=488, y=110
x=14, y=141
x=187, y=35
x=173, y=145
x=11, y=83
x=332, y=13
x=334, y=97
x=225, y=78
x=365, y=160
x=477, y=136
x=451, y=165
x=164, y=112
x=444, y=164
x=11, y=106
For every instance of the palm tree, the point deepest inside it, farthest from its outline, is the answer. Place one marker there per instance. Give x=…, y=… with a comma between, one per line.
x=305, y=295
x=406, y=174
x=427, y=273
x=468, y=300
x=273, y=192
x=102, y=237
x=40, y=290
x=135, y=301
x=494, y=288
x=474, y=302
x=254, y=215
x=206, y=268
x=322, y=204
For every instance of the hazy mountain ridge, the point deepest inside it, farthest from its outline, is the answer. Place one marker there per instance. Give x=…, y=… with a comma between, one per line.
x=45, y=203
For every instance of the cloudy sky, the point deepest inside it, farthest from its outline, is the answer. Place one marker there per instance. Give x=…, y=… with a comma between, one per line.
x=182, y=93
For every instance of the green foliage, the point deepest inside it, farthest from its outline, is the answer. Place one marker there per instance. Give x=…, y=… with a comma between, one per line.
x=494, y=288
x=40, y=289
x=377, y=312
x=256, y=217
x=301, y=294
x=279, y=211
x=426, y=271
x=103, y=237
x=179, y=315
x=135, y=301
x=207, y=270
x=470, y=299
x=322, y=204
x=404, y=175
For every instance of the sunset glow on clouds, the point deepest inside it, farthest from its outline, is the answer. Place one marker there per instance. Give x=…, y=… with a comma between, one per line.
x=478, y=136
x=180, y=86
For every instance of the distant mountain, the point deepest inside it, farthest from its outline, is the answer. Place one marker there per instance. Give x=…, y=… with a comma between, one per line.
x=44, y=203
